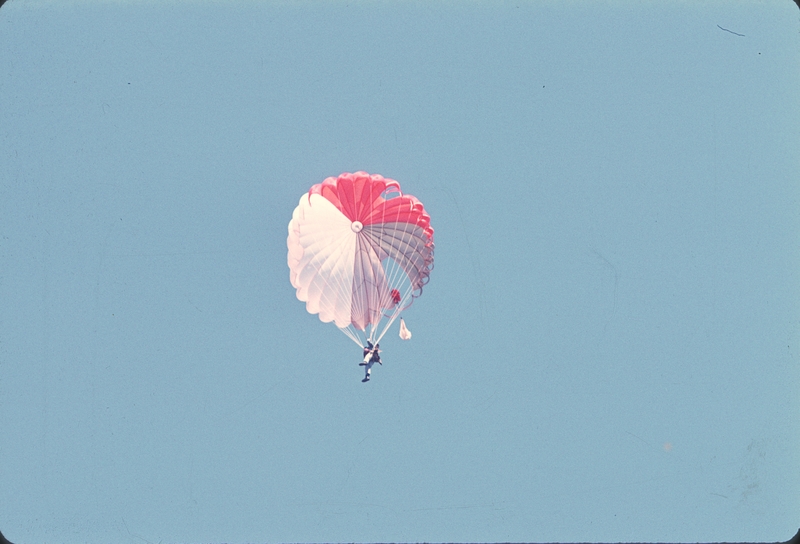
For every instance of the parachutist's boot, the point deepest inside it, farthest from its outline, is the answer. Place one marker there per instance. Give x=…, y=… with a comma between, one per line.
x=365, y=380
x=362, y=364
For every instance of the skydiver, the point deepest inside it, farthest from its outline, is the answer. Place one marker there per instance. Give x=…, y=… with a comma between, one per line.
x=371, y=356
x=367, y=350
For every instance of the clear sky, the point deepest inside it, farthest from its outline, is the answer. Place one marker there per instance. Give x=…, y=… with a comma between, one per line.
x=608, y=346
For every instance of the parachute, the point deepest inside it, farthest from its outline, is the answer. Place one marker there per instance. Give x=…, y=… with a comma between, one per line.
x=405, y=334
x=360, y=252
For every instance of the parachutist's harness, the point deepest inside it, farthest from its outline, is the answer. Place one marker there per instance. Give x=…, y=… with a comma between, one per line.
x=371, y=356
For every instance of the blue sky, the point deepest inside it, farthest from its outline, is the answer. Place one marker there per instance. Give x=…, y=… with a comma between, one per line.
x=608, y=346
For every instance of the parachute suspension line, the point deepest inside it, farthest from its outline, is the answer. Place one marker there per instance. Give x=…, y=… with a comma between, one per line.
x=373, y=278
x=356, y=299
x=339, y=283
x=396, y=274
x=395, y=314
x=351, y=334
x=375, y=339
x=408, y=286
x=399, y=280
x=402, y=304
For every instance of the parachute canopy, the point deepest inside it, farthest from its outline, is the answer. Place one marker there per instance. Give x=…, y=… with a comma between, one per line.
x=360, y=251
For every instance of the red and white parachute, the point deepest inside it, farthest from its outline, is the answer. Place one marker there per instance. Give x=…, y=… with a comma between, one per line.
x=360, y=252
